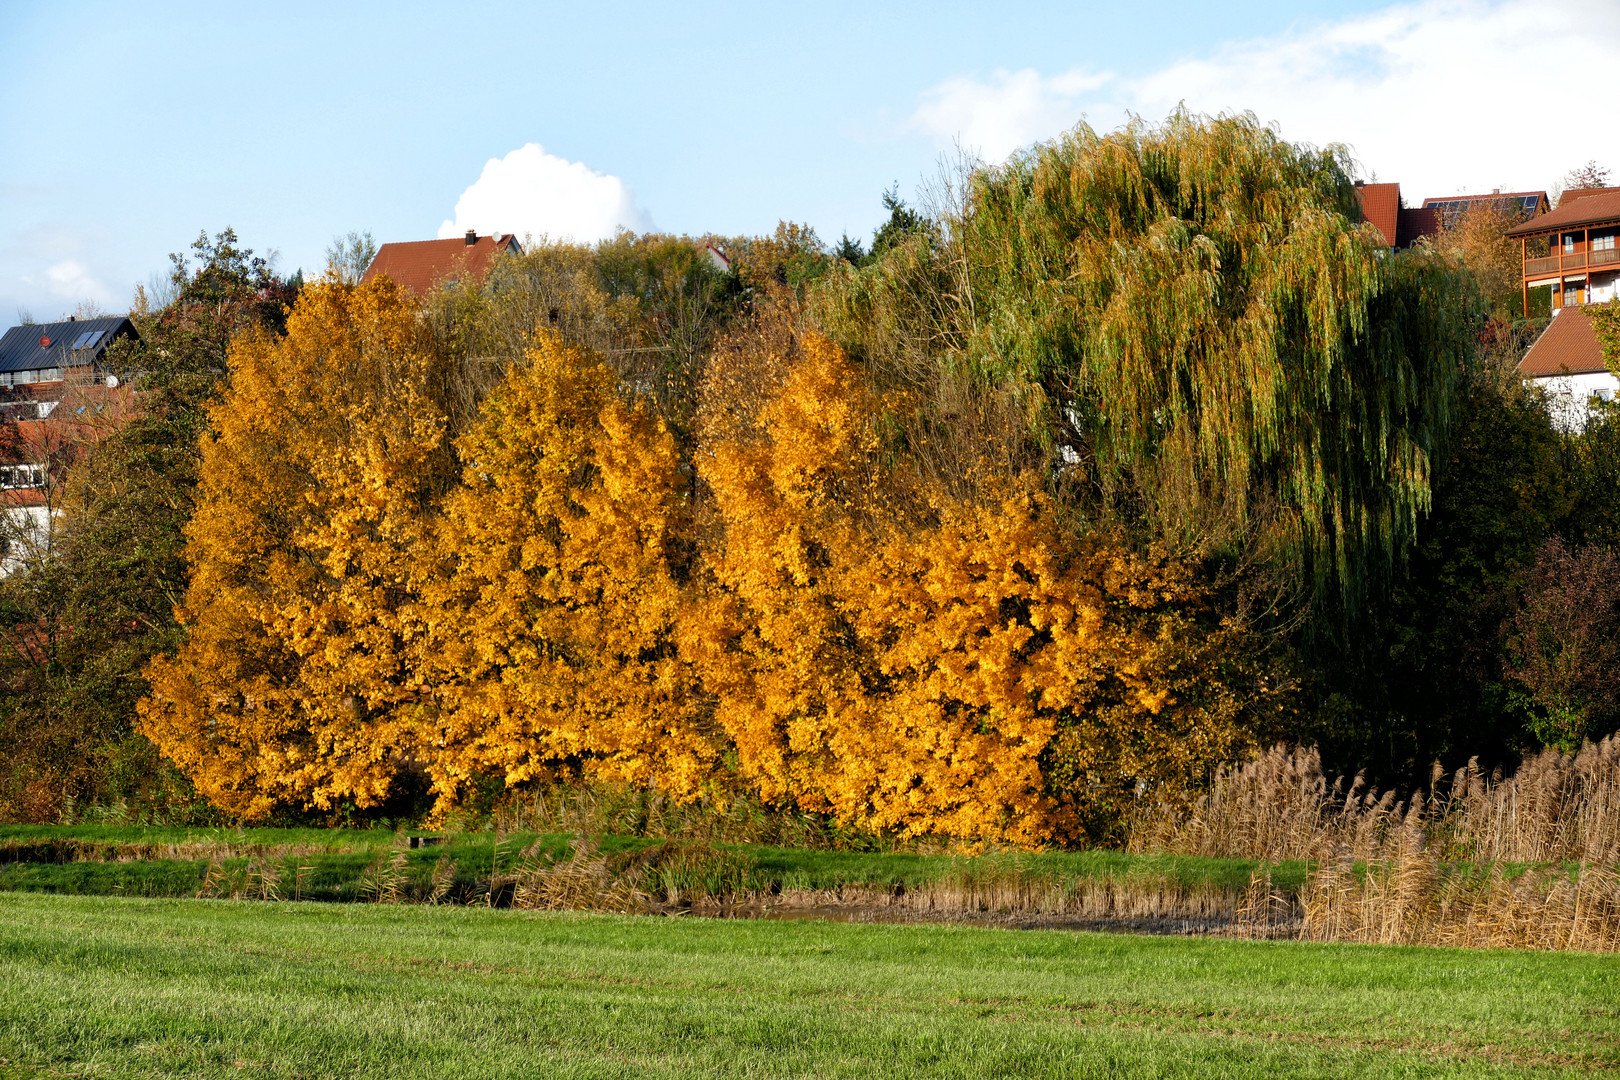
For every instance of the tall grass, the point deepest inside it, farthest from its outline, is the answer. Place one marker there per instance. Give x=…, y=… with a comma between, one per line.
x=1527, y=860
x=1556, y=808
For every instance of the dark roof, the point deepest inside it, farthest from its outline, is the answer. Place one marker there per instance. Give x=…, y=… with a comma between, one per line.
x=1526, y=203
x=61, y=344
x=1414, y=222
x=419, y=266
x=1568, y=345
x=1586, y=208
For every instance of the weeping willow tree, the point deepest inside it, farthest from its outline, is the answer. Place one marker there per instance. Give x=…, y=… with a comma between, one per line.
x=1222, y=351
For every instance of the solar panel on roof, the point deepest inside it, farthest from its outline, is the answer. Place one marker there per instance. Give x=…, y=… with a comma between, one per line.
x=87, y=340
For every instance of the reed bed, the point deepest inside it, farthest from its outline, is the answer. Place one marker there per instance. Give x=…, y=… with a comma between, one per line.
x=191, y=849
x=1522, y=861
x=1157, y=902
x=1556, y=808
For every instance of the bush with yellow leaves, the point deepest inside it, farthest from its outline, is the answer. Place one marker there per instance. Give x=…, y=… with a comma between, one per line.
x=797, y=610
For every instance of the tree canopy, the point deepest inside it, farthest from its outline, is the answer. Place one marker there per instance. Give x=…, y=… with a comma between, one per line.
x=1213, y=343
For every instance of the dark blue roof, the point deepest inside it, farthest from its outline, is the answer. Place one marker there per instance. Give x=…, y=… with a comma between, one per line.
x=61, y=344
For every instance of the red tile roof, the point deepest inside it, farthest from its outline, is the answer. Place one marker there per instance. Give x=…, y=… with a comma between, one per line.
x=1381, y=205
x=1569, y=345
x=419, y=266
x=1590, y=208
x=1584, y=193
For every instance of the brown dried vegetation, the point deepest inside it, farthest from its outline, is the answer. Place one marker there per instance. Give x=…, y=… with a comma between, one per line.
x=1526, y=861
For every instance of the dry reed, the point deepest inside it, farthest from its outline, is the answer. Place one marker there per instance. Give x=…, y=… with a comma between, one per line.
x=1556, y=808
x=1151, y=901
x=1524, y=861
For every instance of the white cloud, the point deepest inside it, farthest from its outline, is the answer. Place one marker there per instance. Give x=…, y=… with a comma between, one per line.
x=532, y=193
x=70, y=279
x=1443, y=96
x=50, y=270
x=1012, y=109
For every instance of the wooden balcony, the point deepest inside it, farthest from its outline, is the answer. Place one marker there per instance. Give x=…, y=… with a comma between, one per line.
x=1576, y=262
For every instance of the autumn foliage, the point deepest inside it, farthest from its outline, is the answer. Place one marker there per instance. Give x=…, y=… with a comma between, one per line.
x=299, y=681
x=553, y=617
x=792, y=610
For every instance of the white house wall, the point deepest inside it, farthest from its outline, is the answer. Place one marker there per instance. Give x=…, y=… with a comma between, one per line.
x=28, y=530
x=1570, y=396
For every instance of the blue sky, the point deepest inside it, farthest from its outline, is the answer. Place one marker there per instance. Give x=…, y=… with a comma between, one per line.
x=126, y=129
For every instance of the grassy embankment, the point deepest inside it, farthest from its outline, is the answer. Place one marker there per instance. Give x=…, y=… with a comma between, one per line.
x=95, y=986
x=350, y=865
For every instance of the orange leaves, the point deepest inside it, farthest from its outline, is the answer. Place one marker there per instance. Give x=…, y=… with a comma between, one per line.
x=299, y=679
x=553, y=629
x=906, y=668
x=797, y=611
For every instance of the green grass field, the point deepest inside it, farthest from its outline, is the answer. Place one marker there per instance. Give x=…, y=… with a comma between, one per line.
x=113, y=987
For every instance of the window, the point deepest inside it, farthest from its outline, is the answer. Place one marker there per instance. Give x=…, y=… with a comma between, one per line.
x=1569, y=244
x=87, y=340
x=21, y=476
x=1603, y=243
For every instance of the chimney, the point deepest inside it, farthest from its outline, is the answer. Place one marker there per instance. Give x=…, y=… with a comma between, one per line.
x=472, y=237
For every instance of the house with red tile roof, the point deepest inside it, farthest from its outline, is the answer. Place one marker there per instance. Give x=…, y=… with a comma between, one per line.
x=43, y=428
x=1566, y=362
x=1573, y=251
x=1401, y=225
x=420, y=266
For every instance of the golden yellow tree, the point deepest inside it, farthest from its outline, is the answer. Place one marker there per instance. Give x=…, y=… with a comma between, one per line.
x=909, y=660
x=299, y=681
x=800, y=610
x=553, y=629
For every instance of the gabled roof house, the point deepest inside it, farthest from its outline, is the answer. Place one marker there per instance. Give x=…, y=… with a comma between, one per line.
x=1574, y=252
x=49, y=352
x=420, y=266
x=53, y=397
x=1401, y=225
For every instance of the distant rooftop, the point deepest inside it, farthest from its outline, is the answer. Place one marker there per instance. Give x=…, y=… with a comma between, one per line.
x=1526, y=204
x=61, y=344
x=420, y=266
x=1400, y=225
x=1575, y=210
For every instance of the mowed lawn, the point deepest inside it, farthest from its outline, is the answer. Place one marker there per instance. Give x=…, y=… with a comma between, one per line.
x=97, y=986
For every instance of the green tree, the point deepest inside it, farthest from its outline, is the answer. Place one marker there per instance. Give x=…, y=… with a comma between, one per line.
x=77, y=629
x=1205, y=340
x=904, y=221
x=1421, y=675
